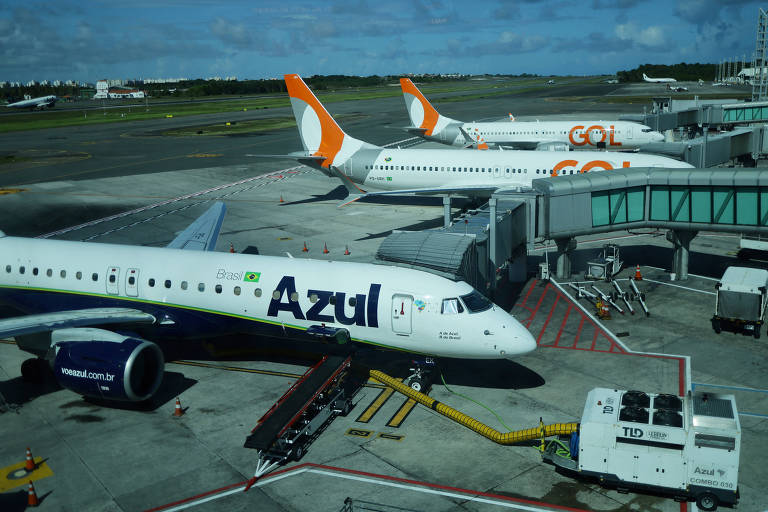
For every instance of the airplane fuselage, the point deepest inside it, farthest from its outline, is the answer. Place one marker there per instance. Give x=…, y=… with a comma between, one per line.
x=198, y=294
x=403, y=169
x=619, y=135
x=35, y=103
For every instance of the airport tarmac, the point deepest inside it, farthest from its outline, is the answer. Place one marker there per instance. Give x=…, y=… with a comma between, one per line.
x=104, y=458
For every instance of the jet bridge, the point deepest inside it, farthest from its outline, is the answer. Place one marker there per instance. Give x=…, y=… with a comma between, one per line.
x=684, y=201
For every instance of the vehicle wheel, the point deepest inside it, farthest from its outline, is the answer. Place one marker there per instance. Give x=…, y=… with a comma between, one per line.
x=416, y=385
x=297, y=453
x=707, y=501
x=717, y=327
x=32, y=370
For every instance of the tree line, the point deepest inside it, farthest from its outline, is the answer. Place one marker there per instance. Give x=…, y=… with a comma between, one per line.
x=682, y=71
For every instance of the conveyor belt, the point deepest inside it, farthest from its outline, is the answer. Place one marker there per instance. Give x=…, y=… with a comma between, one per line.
x=293, y=403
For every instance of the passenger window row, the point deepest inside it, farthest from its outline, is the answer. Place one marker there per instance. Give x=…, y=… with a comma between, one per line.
x=49, y=272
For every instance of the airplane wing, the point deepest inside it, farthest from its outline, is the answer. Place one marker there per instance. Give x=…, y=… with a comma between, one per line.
x=202, y=234
x=30, y=324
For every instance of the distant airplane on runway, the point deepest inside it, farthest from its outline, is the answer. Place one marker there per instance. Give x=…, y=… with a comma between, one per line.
x=360, y=165
x=657, y=80
x=35, y=103
x=545, y=135
x=73, y=292
x=676, y=88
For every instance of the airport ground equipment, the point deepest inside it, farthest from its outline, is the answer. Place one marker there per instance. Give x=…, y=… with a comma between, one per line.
x=623, y=295
x=686, y=448
x=740, y=300
x=505, y=438
x=292, y=423
x=640, y=297
x=607, y=265
x=608, y=299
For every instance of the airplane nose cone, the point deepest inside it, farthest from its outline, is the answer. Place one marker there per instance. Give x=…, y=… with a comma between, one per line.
x=522, y=343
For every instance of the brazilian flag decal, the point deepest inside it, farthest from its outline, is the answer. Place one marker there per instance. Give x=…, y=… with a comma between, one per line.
x=252, y=277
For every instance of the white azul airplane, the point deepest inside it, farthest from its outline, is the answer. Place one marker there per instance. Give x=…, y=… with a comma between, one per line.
x=542, y=135
x=35, y=103
x=657, y=80
x=72, y=293
x=361, y=165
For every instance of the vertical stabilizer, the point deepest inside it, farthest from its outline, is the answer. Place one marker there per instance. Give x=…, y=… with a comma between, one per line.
x=320, y=134
x=423, y=115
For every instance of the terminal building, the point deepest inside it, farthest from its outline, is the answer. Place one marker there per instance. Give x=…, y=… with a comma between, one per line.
x=103, y=91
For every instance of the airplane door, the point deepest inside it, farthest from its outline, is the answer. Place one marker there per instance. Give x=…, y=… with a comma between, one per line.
x=132, y=282
x=401, y=314
x=113, y=286
x=348, y=167
x=629, y=132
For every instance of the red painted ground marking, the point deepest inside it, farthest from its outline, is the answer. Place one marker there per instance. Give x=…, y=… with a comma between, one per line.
x=310, y=465
x=530, y=289
x=538, y=304
x=562, y=325
x=578, y=331
x=546, y=322
x=594, y=338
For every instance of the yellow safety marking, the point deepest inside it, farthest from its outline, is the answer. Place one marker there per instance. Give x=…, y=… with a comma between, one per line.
x=357, y=432
x=391, y=437
x=5, y=191
x=16, y=476
x=399, y=417
x=204, y=155
x=284, y=238
x=372, y=409
x=505, y=438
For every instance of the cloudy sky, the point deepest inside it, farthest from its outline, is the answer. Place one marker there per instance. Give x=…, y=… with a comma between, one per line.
x=93, y=39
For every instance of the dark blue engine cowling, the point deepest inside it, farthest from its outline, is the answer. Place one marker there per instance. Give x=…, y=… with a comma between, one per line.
x=129, y=370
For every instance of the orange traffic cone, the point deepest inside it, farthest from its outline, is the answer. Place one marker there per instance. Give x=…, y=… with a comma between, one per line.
x=231, y=248
x=325, y=248
x=32, y=500
x=638, y=275
x=281, y=198
x=29, y=465
x=346, y=250
x=305, y=248
x=178, y=411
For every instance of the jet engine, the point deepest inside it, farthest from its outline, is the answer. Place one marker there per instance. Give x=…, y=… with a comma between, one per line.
x=552, y=146
x=107, y=365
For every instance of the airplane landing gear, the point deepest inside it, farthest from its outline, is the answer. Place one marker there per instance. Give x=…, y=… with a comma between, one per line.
x=421, y=374
x=34, y=370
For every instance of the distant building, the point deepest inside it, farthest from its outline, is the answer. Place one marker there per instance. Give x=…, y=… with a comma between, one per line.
x=103, y=91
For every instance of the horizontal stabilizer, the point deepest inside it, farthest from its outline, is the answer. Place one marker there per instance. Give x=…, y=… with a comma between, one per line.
x=296, y=155
x=415, y=130
x=30, y=324
x=202, y=234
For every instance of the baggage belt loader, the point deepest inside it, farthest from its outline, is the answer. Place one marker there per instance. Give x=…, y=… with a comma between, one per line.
x=686, y=448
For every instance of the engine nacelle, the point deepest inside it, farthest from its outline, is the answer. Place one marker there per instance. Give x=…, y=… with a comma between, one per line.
x=115, y=367
x=553, y=146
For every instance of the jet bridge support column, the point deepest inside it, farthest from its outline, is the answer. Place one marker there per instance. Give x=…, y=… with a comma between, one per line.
x=446, y=211
x=565, y=248
x=682, y=246
x=492, y=243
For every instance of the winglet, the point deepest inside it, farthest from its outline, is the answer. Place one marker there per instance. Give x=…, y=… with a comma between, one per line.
x=320, y=134
x=202, y=234
x=420, y=110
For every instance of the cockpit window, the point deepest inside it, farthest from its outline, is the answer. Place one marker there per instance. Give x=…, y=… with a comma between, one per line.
x=476, y=302
x=646, y=130
x=451, y=307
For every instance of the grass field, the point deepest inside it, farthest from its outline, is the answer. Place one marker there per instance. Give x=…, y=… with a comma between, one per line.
x=163, y=108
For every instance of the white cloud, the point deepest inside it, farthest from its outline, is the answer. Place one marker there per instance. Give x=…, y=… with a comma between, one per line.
x=650, y=37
